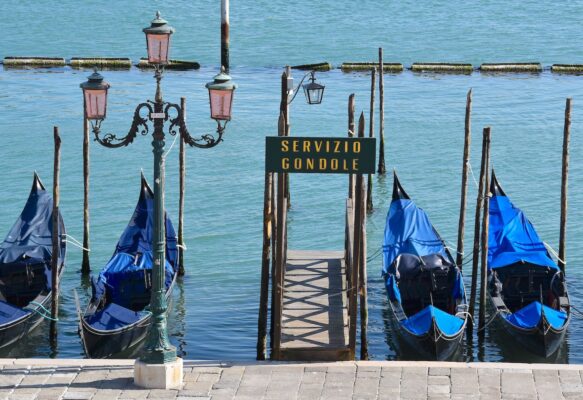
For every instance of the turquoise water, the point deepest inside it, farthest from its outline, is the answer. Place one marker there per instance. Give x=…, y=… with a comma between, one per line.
x=215, y=306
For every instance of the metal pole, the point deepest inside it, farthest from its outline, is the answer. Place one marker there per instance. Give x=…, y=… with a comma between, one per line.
x=225, y=34
x=158, y=349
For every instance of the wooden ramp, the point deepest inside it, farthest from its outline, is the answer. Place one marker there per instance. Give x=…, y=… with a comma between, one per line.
x=315, y=314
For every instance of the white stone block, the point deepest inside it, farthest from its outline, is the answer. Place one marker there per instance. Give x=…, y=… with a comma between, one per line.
x=158, y=376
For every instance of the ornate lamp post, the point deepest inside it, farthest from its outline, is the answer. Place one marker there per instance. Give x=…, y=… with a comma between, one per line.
x=158, y=349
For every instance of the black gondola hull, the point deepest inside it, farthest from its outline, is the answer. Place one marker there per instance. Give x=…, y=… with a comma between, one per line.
x=104, y=344
x=11, y=333
x=109, y=343
x=433, y=345
x=542, y=340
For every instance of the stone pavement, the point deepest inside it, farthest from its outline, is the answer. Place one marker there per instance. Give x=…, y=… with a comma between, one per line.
x=112, y=380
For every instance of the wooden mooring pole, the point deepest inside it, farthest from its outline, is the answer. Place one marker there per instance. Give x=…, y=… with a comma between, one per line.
x=284, y=108
x=265, y=258
x=85, y=264
x=464, y=189
x=476, y=248
x=225, y=34
x=351, y=128
x=369, y=203
x=56, y=239
x=181, y=188
x=485, y=229
x=564, y=186
x=360, y=225
x=381, y=169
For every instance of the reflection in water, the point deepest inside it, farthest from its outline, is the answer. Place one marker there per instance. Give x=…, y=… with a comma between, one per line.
x=178, y=318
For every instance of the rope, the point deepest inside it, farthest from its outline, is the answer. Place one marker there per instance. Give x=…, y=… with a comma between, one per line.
x=554, y=253
x=577, y=311
x=76, y=245
x=473, y=176
x=487, y=323
x=43, y=314
x=180, y=246
x=172, y=145
x=74, y=242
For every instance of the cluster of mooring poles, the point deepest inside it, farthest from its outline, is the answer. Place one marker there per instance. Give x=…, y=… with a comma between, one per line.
x=481, y=224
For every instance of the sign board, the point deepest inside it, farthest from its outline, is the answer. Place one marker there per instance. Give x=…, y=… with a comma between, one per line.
x=331, y=155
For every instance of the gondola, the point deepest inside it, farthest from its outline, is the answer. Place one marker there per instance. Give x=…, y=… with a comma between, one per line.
x=25, y=266
x=424, y=286
x=526, y=289
x=117, y=317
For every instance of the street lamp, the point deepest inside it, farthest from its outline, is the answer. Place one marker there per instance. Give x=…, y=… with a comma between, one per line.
x=313, y=91
x=158, y=349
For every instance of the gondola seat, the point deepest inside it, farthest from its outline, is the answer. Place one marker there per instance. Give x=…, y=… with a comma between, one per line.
x=9, y=312
x=113, y=316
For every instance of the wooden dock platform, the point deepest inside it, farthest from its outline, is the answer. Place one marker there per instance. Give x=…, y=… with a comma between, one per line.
x=315, y=313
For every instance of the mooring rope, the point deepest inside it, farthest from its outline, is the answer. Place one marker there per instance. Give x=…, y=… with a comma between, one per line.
x=473, y=176
x=44, y=314
x=554, y=253
x=74, y=242
x=172, y=145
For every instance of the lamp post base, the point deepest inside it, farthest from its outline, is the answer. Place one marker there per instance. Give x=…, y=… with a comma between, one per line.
x=158, y=376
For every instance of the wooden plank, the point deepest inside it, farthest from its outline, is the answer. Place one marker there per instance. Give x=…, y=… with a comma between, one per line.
x=314, y=315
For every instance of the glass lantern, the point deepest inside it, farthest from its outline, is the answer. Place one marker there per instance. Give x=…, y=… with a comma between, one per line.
x=314, y=91
x=221, y=91
x=158, y=40
x=95, y=96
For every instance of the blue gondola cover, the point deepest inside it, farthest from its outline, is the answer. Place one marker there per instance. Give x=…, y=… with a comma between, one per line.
x=529, y=316
x=127, y=273
x=420, y=323
x=512, y=238
x=409, y=231
x=410, y=245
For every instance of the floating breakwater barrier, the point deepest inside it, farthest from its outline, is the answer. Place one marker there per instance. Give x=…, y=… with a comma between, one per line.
x=172, y=64
x=367, y=66
x=567, y=68
x=36, y=62
x=324, y=66
x=101, y=62
x=511, y=67
x=461, y=68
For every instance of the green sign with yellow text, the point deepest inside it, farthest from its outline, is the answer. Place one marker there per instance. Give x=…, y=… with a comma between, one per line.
x=320, y=155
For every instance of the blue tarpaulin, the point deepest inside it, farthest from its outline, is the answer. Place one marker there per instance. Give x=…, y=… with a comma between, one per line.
x=512, y=238
x=409, y=231
x=420, y=323
x=114, y=316
x=127, y=274
x=529, y=316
